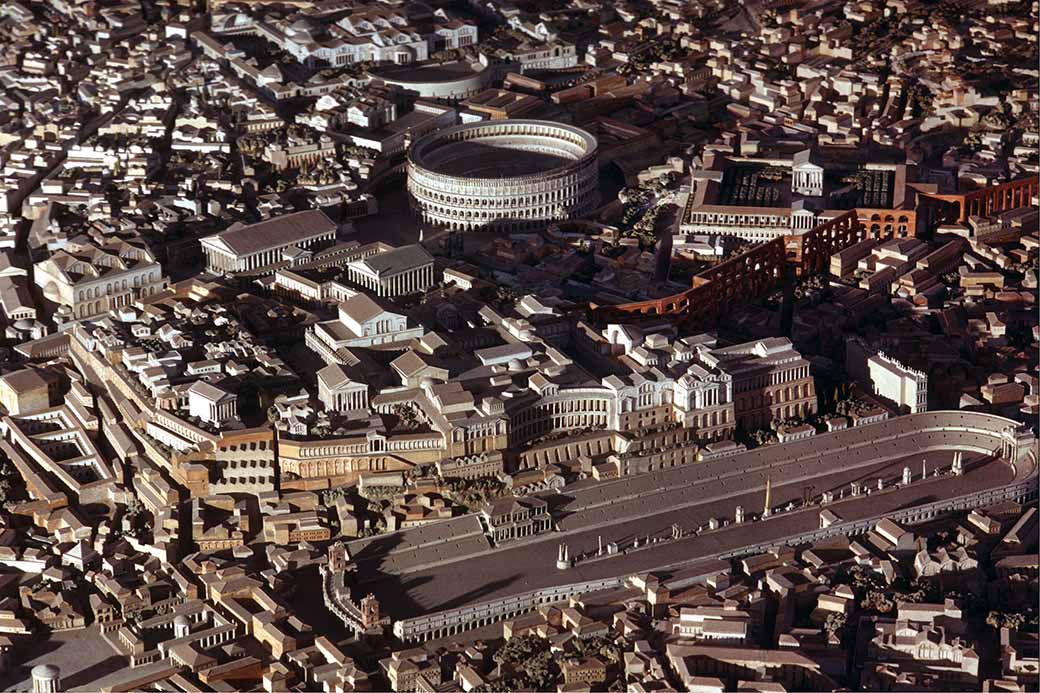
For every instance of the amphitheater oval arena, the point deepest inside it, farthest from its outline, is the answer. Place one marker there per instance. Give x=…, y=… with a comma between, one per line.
x=510, y=175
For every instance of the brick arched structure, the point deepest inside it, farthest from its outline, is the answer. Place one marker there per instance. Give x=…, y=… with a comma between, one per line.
x=743, y=277
x=888, y=223
x=811, y=252
x=956, y=208
x=751, y=274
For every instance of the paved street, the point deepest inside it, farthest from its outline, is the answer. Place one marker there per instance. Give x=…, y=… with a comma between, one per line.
x=84, y=656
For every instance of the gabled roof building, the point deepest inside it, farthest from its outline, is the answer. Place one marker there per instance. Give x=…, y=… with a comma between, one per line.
x=258, y=247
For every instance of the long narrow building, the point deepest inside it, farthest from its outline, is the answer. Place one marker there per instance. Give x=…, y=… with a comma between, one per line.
x=442, y=579
x=253, y=247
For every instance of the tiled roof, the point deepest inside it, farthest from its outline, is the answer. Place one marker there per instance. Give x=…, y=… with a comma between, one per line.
x=275, y=233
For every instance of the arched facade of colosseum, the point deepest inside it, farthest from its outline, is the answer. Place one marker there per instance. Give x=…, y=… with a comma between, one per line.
x=554, y=175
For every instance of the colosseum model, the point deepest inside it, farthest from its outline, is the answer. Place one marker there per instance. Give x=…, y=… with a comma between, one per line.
x=506, y=175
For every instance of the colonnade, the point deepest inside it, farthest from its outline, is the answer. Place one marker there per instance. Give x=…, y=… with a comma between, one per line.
x=220, y=261
x=400, y=284
x=348, y=401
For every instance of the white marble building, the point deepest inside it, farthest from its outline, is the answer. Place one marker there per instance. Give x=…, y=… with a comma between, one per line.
x=254, y=247
x=398, y=272
x=367, y=34
x=903, y=385
x=339, y=393
x=362, y=323
x=88, y=279
x=806, y=176
x=212, y=404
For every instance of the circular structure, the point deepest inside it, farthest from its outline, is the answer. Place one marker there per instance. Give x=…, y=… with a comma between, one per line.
x=181, y=626
x=46, y=671
x=46, y=678
x=506, y=175
x=451, y=81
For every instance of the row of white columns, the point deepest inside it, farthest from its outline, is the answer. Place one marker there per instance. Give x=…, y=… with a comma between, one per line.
x=224, y=411
x=707, y=397
x=220, y=261
x=352, y=400
x=228, y=263
x=407, y=282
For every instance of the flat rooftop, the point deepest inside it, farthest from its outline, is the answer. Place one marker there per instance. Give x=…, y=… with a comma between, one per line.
x=85, y=658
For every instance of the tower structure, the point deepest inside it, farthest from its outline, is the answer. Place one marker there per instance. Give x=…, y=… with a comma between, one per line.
x=369, y=611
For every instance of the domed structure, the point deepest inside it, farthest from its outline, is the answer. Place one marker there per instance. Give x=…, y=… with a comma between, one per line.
x=181, y=626
x=505, y=175
x=46, y=678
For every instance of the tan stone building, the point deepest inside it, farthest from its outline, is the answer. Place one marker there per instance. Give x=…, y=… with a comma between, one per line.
x=770, y=380
x=24, y=391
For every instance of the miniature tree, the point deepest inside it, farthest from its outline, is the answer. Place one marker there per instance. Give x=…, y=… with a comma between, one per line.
x=877, y=601
x=834, y=626
x=1002, y=619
